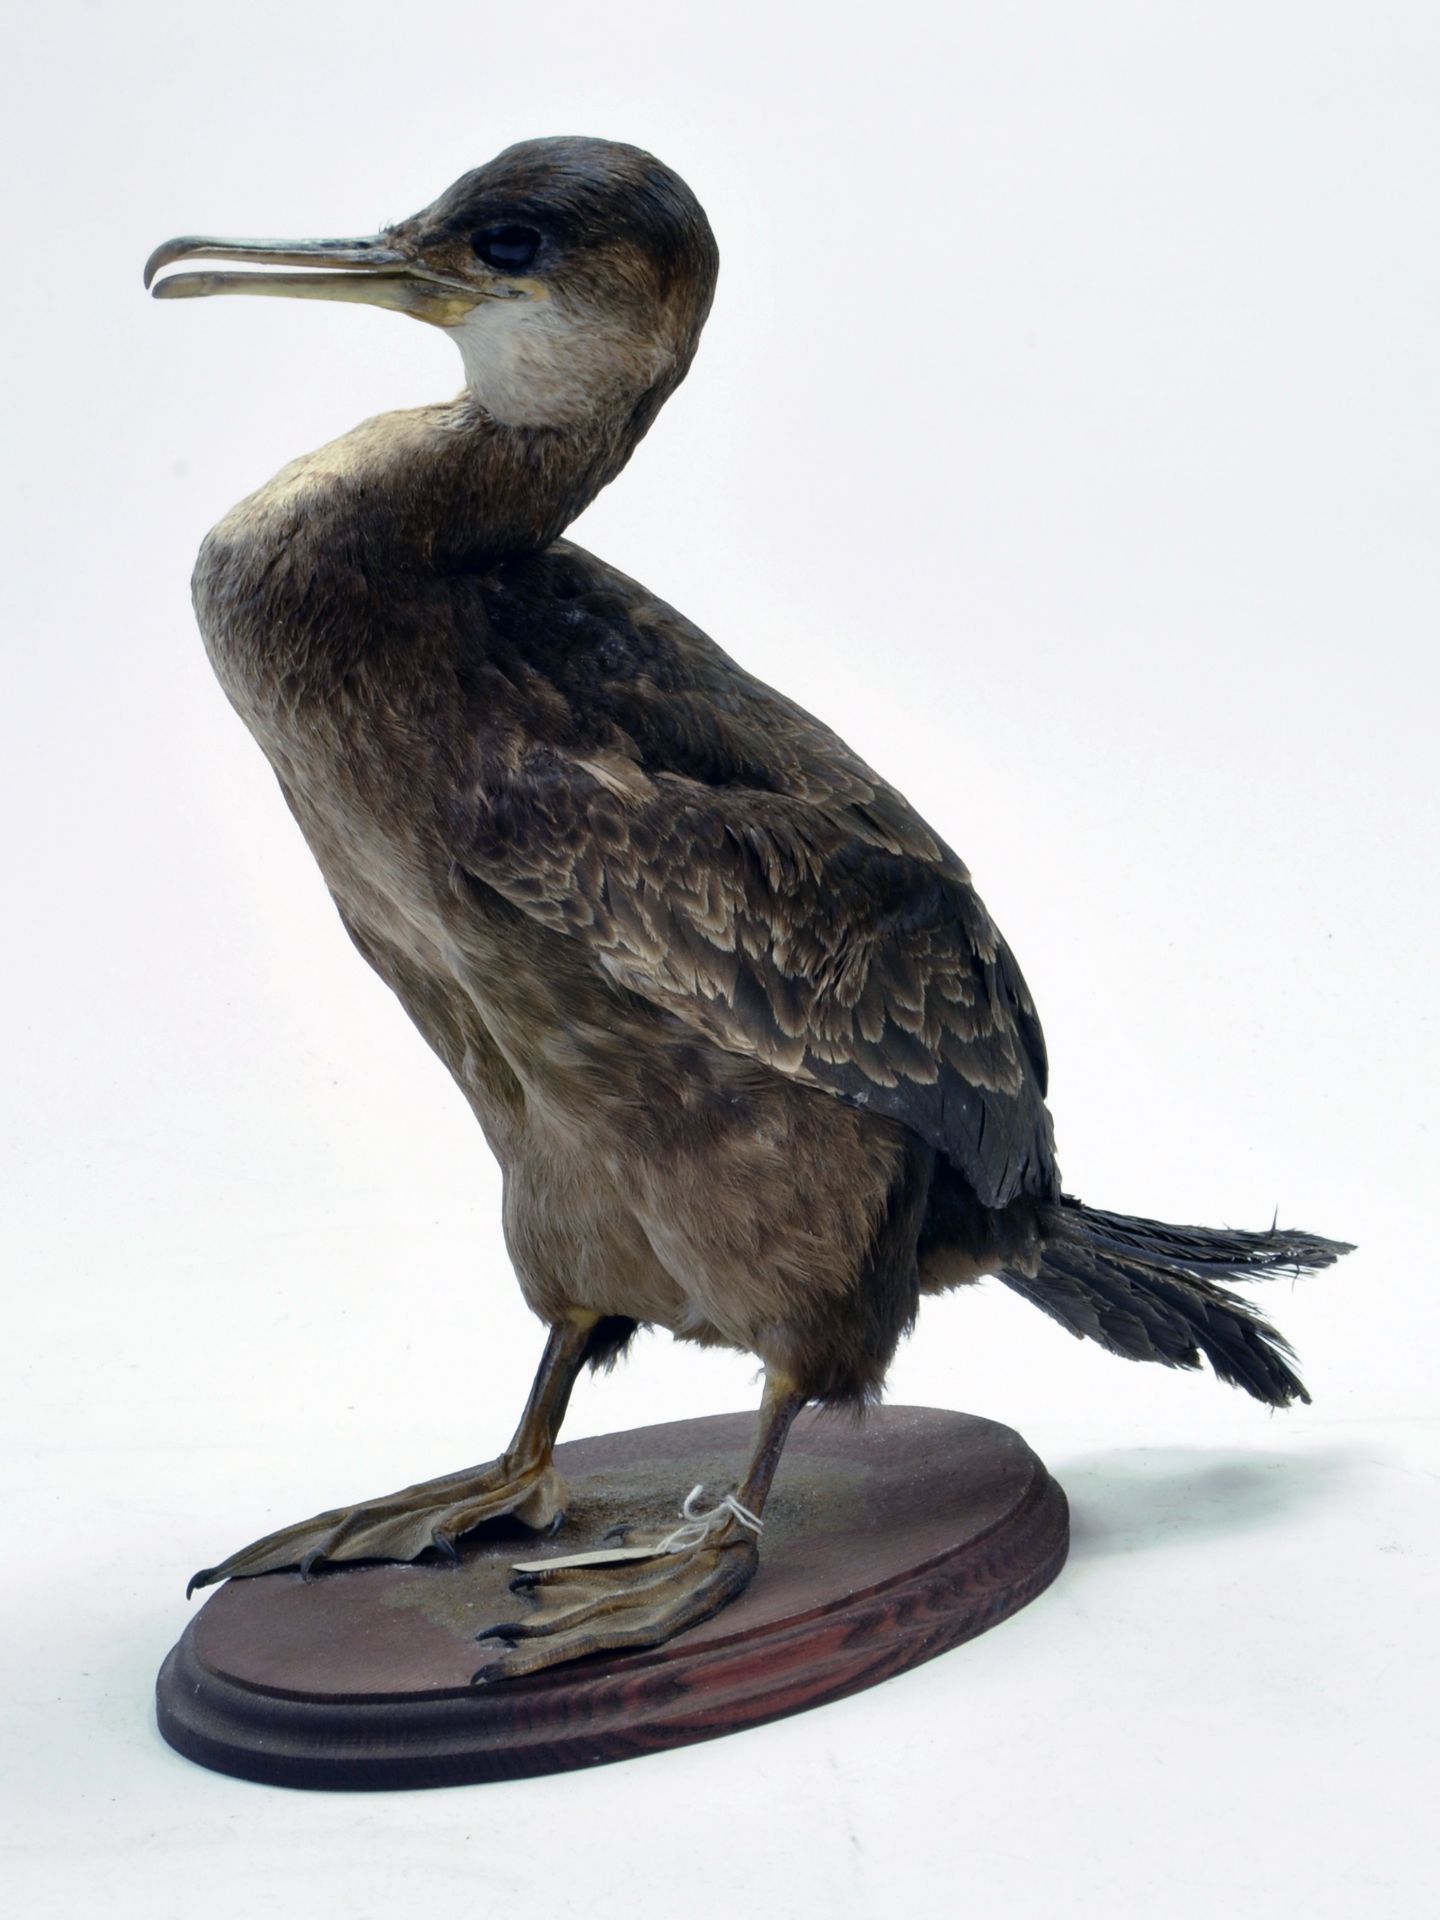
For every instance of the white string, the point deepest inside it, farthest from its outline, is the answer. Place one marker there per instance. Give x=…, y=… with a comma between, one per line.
x=699, y=1526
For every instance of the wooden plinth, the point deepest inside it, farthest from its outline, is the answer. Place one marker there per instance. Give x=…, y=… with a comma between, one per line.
x=887, y=1542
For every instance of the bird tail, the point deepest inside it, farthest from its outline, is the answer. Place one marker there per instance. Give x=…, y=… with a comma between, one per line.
x=1150, y=1291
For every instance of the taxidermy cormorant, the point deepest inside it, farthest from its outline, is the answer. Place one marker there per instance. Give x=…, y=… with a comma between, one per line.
x=755, y=1061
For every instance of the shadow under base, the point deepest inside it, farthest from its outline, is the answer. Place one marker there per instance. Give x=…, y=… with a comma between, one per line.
x=887, y=1541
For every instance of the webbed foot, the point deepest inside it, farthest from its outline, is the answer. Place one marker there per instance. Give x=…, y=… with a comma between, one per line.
x=620, y=1603
x=639, y=1596
x=400, y=1526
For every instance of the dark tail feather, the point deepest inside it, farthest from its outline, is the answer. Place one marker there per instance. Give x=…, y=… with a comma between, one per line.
x=1149, y=1291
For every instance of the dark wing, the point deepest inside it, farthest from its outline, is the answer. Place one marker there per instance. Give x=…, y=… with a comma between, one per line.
x=727, y=858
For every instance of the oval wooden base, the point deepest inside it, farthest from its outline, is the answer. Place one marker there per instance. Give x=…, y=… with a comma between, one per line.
x=887, y=1541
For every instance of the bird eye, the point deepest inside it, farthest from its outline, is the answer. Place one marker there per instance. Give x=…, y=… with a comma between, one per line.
x=506, y=247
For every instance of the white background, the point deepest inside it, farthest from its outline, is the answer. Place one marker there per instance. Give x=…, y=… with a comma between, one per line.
x=1065, y=434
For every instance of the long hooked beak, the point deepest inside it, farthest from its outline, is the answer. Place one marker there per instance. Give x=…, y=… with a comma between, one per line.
x=373, y=270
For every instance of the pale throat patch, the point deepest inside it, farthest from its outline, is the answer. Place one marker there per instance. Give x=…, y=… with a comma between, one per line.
x=531, y=364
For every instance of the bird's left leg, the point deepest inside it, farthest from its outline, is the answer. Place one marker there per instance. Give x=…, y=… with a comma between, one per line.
x=523, y=1484
x=641, y=1596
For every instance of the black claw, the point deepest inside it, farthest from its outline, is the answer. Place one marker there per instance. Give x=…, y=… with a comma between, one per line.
x=523, y=1582
x=554, y=1527
x=443, y=1544
x=200, y=1579
x=622, y=1532
x=313, y=1559
x=509, y=1631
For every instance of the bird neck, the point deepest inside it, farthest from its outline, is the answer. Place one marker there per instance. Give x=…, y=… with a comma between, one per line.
x=296, y=584
x=447, y=487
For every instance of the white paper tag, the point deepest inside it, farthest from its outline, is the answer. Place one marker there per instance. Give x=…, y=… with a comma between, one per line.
x=602, y=1557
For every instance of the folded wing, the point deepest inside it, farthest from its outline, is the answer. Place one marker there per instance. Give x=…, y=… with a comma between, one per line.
x=728, y=859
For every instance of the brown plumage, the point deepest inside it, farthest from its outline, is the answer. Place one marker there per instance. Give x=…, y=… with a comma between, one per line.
x=755, y=1060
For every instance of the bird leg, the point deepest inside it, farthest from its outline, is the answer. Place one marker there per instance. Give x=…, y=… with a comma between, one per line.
x=640, y=1596
x=523, y=1483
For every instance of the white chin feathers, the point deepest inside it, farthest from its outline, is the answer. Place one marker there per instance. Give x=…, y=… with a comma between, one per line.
x=530, y=364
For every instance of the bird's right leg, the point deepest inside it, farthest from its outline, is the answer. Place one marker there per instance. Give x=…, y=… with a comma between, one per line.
x=522, y=1484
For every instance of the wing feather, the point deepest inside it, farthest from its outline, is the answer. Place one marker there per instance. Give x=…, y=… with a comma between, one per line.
x=727, y=858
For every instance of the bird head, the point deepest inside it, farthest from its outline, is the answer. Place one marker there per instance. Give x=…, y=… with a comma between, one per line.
x=574, y=275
